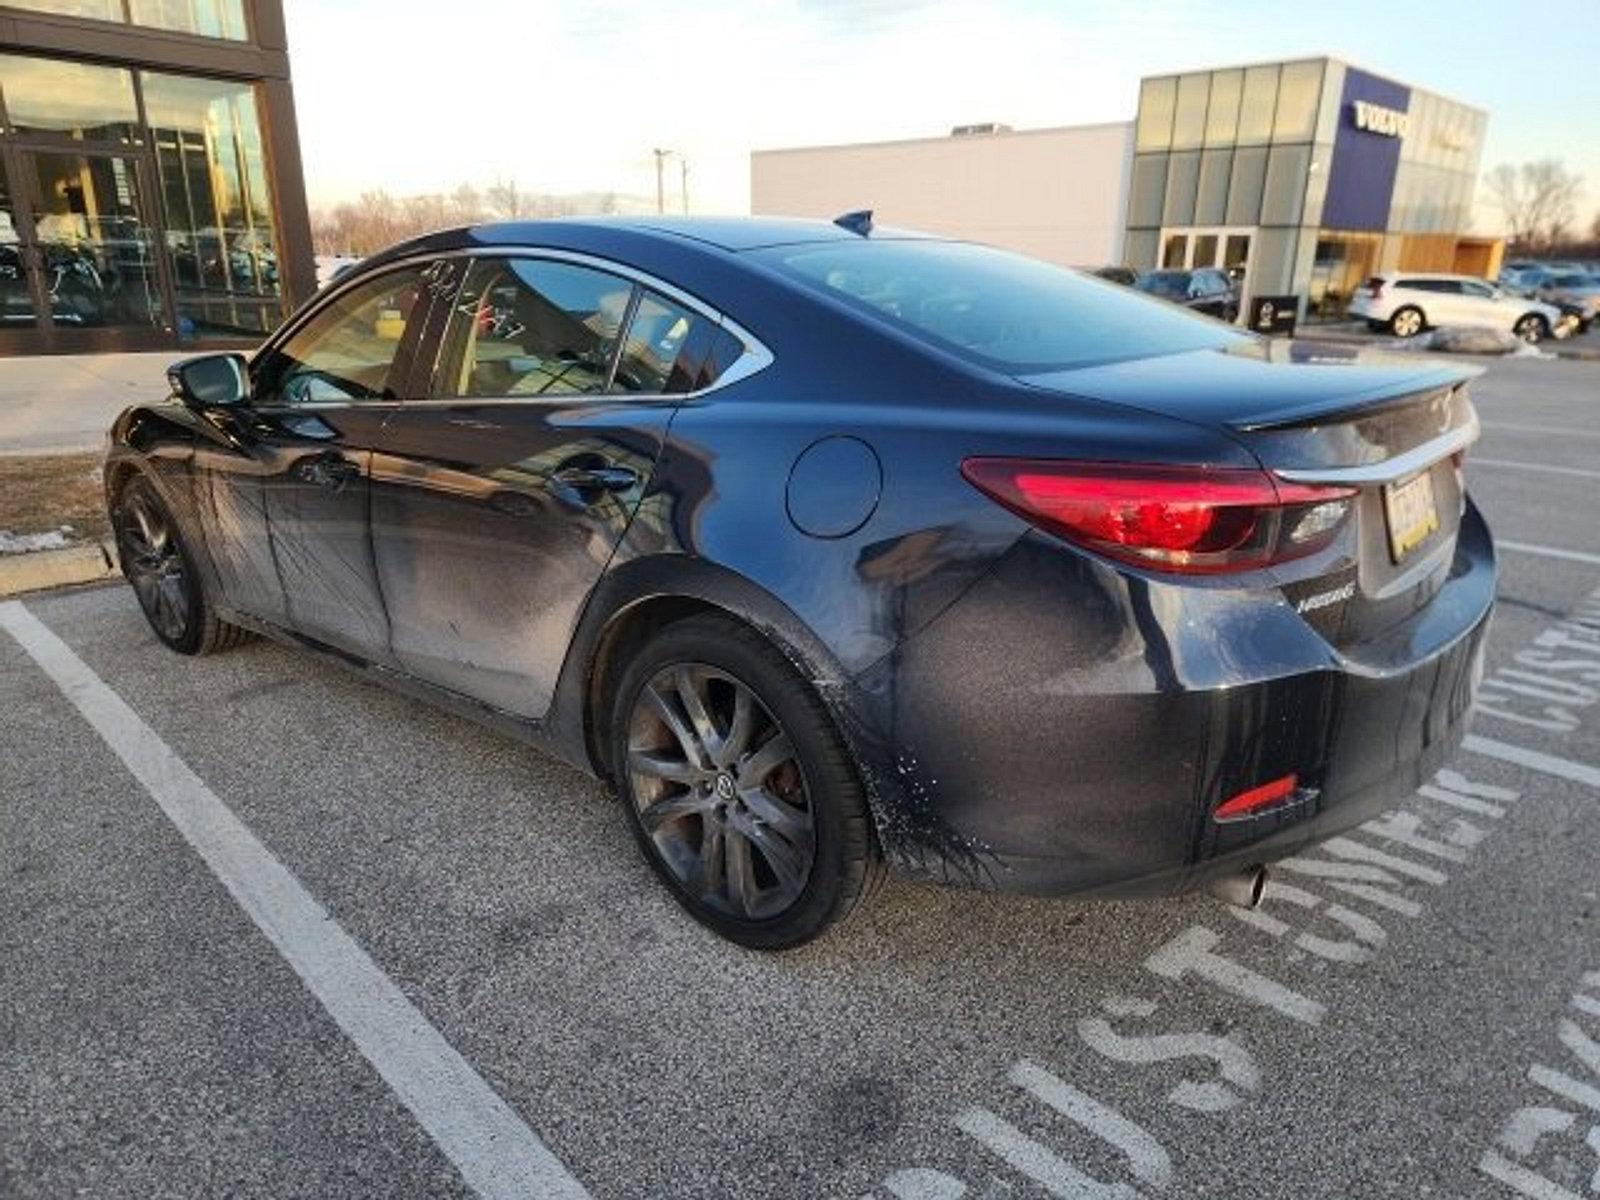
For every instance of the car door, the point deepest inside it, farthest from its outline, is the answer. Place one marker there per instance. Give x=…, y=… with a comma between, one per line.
x=498, y=500
x=319, y=399
x=1480, y=306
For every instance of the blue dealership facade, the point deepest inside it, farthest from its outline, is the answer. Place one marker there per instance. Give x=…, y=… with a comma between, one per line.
x=1303, y=178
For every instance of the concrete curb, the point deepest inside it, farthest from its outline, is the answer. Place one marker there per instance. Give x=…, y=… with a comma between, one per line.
x=56, y=568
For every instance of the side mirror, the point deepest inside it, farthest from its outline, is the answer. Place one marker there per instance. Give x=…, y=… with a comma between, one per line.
x=210, y=381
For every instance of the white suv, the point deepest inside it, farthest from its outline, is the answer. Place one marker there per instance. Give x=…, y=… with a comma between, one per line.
x=1407, y=302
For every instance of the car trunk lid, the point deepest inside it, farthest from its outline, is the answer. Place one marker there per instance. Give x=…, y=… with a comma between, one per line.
x=1394, y=430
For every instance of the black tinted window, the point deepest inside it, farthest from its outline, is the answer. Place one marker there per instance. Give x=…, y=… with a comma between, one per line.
x=350, y=350
x=1442, y=286
x=994, y=308
x=532, y=327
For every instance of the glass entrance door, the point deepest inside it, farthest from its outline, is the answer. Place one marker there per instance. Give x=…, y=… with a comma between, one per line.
x=1225, y=249
x=80, y=270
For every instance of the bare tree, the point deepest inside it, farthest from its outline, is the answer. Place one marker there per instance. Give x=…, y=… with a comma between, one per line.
x=1539, y=200
x=505, y=200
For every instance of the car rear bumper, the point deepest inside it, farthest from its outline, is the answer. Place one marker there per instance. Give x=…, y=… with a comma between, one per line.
x=1067, y=728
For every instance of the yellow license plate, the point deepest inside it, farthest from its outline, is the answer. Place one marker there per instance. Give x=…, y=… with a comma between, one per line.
x=1411, y=513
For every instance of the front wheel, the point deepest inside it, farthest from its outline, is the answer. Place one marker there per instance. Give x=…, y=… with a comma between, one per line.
x=1531, y=328
x=157, y=563
x=1407, y=322
x=737, y=786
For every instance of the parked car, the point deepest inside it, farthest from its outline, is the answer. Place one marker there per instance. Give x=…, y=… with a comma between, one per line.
x=1408, y=302
x=1579, y=290
x=1126, y=276
x=1205, y=290
x=836, y=550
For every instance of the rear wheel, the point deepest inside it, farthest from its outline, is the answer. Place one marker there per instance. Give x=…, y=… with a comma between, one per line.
x=1407, y=322
x=1531, y=328
x=159, y=566
x=737, y=786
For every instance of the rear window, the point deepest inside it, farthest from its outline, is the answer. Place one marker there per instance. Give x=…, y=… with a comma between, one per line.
x=1173, y=285
x=997, y=309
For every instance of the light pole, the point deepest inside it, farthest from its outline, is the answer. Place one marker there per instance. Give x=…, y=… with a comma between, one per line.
x=661, y=186
x=661, y=192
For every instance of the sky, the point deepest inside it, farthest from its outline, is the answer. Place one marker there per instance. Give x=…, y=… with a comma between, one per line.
x=573, y=97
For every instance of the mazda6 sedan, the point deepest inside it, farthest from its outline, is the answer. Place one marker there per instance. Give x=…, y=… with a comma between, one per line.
x=837, y=550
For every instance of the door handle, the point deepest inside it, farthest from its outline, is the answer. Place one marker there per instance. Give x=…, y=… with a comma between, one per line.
x=597, y=479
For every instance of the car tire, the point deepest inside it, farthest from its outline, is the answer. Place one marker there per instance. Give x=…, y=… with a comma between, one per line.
x=767, y=842
x=158, y=564
x=1531, y=328
x=1407, y=321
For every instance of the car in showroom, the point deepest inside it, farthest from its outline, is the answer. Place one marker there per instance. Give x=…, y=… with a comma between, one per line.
x=837, y=550
x=1406, y=303
x=1206, y=290
x=1579, y=290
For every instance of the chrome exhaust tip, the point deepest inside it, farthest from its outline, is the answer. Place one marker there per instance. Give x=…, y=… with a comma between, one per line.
x=1243, y=888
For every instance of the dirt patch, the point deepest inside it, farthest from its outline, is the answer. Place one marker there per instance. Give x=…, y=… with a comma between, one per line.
x=40, y=494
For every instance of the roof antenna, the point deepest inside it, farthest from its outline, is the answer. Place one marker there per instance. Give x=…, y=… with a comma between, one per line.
x=859, y=221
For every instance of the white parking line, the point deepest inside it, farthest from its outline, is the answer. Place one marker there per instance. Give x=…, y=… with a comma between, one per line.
x=495, y=1151
x=1542, y=468
x=1578, y=556
x=1534, y=760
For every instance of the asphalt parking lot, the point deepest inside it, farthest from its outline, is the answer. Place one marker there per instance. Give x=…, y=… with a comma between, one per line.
x=266, y=930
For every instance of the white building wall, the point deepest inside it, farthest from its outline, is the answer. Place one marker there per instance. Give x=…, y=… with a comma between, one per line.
x=1055, y=194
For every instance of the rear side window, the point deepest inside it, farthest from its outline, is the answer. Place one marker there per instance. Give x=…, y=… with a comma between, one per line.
x=993, y=308
x=667, y=348
x=1442, y=286
x=532, y=327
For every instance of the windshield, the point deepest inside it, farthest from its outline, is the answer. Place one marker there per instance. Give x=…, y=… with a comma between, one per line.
x=1572, y=281
x=994, y=308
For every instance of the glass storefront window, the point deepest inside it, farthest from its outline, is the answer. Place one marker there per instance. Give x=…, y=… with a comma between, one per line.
x=1211, y=200
x=48, y=96
x=208, y=18
x=98, y=10
x=1147, y=190
x=1248, y=178
x=1258, y=105
x=1299, y=94
x=1222, y=116
x=1189, y=118
x=220, y=234
x=1157, y=98
x=1183, y=176
x=1284, y=195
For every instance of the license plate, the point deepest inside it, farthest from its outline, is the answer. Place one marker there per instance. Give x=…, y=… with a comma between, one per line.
x=1411, y=512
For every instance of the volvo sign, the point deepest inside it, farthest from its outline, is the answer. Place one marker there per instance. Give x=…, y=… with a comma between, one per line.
x=1375, y=118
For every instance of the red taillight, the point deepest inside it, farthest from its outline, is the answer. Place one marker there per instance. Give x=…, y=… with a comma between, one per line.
x=1247, y=804
x=1193, y=520
x=1374, y=288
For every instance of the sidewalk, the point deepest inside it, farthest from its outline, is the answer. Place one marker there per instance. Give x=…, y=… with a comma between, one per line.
x=58, y=404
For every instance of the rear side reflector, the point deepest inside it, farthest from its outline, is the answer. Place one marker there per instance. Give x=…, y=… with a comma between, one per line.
x=1190, y=520
x=1247, y=804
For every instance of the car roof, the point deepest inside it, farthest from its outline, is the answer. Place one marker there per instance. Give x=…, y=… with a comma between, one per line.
x=726, y=233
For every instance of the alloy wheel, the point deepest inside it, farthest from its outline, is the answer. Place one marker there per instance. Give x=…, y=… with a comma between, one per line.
x=154, y=565
x=1530, y=329
x=1408, y=323
x=720, y=792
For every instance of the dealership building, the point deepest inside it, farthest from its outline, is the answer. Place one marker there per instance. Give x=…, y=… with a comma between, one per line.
x=150, y=184
x=1302, y=178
